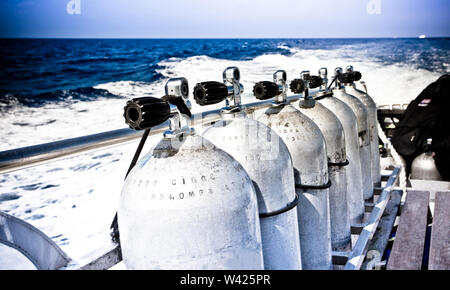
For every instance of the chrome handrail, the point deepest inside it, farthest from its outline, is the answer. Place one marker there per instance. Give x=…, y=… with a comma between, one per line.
x=15, y=159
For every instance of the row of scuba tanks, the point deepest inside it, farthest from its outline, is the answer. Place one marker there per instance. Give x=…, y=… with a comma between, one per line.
x=279, y=192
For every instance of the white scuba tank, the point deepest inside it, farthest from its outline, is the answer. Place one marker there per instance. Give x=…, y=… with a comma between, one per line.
x=423, y=166
x=363, y=132
x=187, y=204
x=268, y=162
x=307, y=146
x=349, y=122
x=371, y=106
x=333, y=131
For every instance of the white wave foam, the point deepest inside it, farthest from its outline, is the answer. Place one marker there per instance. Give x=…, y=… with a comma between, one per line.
x=387, y=84
x=74, y=200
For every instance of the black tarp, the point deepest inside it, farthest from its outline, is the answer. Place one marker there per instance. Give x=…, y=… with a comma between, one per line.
x=428, y=116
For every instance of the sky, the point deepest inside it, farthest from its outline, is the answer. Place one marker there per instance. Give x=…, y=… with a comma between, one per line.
x=224, y=19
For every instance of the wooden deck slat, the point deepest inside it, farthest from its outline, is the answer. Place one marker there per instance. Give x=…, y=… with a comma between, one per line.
x=440, y=233
x=408, y=248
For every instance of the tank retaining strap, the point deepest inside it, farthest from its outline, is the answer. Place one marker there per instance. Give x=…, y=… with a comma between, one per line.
x=324, y=186
x=288, y=207
x=343, y=163
x=322, y=95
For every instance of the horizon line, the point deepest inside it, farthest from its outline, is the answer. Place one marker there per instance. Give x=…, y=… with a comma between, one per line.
x=172, y=38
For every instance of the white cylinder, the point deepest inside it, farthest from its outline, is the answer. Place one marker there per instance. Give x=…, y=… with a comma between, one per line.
x=423, y=167
x=373, y=129
x=189, y=205
x=266, y=159
x=306, y=144
x=364, y=138
x=334, y=135
x=349, y=121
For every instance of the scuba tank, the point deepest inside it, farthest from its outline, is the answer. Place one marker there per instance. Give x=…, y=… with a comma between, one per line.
x=333, y=131
x=306, y=144
x=267, y=160
x=351, y=89
x=186, y=204
x=423, y=166
x=363, y=132
x=350, y=124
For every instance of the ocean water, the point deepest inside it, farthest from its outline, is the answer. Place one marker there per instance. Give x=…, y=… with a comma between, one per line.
x=56, y=89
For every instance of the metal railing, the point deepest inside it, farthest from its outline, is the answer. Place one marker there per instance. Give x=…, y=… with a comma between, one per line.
x=14, y=159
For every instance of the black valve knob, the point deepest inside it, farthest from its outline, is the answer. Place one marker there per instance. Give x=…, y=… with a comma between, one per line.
x=315, y=82
x=265, y=90
x=297, y=86
x=356, y=75
x=349, y=77
x=208, y=93
x=146, y=112
x=345, y=78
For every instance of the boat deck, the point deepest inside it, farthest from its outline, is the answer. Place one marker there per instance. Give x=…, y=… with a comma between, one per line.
x=422, y=240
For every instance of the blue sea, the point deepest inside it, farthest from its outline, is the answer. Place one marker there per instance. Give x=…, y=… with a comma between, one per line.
x=52, y=89
x=36, y=73
x=39, y=71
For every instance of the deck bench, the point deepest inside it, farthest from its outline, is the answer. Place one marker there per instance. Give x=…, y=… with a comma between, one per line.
x=410, y=239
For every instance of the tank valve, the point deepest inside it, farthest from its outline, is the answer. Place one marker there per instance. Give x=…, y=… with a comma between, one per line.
x=314, y=82
x=354, y=76
x=343, y=78
x=324, y=91
x=209, y=93
x=177, y=95
x=323, y=74
x=337, y=77
x=427, y=147
x=146, y=112
x=266, y=90
x=349, y=77
x=310, y=82
x=297, y=86
x=212, y=92
x=305, y=82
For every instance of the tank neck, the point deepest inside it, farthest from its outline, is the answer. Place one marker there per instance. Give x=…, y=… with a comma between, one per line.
x=339, y=89
x=307, y=103
x=350, y=86
x=427, y=148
